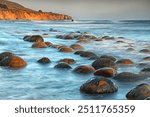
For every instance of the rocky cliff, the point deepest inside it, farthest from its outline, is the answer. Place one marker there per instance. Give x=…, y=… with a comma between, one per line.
x=13, y=11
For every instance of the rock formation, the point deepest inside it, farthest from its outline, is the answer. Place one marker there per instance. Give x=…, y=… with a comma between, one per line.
x=13, y=11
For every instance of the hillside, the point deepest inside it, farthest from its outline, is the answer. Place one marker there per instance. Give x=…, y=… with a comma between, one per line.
x=14, y=11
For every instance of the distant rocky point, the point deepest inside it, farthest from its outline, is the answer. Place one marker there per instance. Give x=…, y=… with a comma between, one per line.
x=14, y=11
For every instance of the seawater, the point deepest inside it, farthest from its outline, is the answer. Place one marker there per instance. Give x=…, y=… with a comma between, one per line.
x=41, y=82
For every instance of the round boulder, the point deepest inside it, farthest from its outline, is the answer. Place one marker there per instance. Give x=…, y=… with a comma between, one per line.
x=98, y=86
x=103, y=62
x=108, y=57
x=63, y=65
x=66, y=49
x=127, y=77
x=44, y=60
x=48, y=43
x=146, y=58
x=84, y=69
x=125, y=62
x=17, y=62
x=76, y=47
x=79, y=52
x=140, y=92
x=39, y=45
x=67, y=60
x=145, y=51
x=56, y=46
x=106, y=72
x=88, y=54
x=6, y=55
x=33, y=38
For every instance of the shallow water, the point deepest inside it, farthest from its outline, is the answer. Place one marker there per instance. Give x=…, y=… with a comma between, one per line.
x=37, y=81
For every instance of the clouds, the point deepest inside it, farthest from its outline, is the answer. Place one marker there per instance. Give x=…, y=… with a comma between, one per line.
x=94, y=9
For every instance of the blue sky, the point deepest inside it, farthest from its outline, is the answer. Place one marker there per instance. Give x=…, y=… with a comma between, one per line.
x=94, y=9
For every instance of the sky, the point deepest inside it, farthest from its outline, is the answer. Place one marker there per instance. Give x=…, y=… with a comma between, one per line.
x=94, y=9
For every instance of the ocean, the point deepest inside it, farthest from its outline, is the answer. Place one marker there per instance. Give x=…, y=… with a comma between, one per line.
x=43, y=82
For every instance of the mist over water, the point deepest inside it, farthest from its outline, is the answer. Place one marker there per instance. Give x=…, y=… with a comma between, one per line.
x=37, y=81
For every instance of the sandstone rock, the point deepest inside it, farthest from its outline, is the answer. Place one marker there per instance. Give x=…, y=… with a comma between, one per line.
x=76, y=47
x=6, y=55
x=79, y=52
x=99, y=86
x=63, y=65
x=127, y=77
x=125, y=62
x=59, y=36
x=39, y=45
x=106, y=72
x=17, y=62
x=67, y=60
x=88, y=54
x=68, y=36
x=66, y=49
x=140, y=92
x=33, y=38
x=84, y=69
x=108, y=57
x=146, y=58
x=56, y=46
x=44, y=60
x=103, y=62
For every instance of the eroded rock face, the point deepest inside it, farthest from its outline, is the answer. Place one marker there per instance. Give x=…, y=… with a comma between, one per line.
x=127, y=77
x=140, y=92
x=103, y=62
x=84, y=69
x=98, y=86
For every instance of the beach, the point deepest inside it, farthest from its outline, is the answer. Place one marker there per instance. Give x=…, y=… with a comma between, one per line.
x=125, y=39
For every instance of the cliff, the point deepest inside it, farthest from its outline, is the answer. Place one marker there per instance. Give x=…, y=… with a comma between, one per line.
x=14, y=11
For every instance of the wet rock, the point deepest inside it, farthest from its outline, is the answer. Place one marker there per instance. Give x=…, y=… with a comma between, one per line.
x=67, y=60
x=88, y=54
x=76, y=47
x=127, y=77
x=82, y=40
x=145, y=72
x=56, y=46
x=89, y=36
x=146, y=64
x=120, y=41
x=104, y=62
x=45, y=34
x=39, y=45
x=53, y=30
x=125, y=62
x=130, y=49
x=5, y=55
x=44, y=60
x=66, y=49
x=108, y=57
x=79, y=52
x=84, y=69
x=145, y=50
x=106, y=72
x=59, y=36
x=146, y=58
x=48, y=43
x=108, y=38
x=98, y=86
x=33, y=38
x=140, y=92
x=68, y=36
x=63, y=65
x=17, y=62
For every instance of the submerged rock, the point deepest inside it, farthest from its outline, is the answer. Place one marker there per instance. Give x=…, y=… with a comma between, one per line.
x=84, y=69
x=146, y=58
x=76, y=47
x=103, y=62
x=106, y=72
x=98, y=86
x=66, y=49
x=145, y=50
x=33, y=38
x=44, y=60
x=140, y=92
x=48, y=43
x=9, y=59
x=127, y=77
x=67, y=60
x=63, y=65
x=56, y=46
x=125, y=62
x=39, y=45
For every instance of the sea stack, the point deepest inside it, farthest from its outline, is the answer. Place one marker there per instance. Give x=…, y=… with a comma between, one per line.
x=14, y=11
